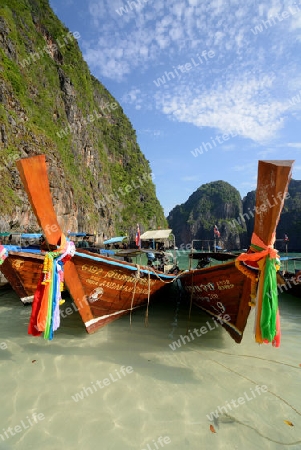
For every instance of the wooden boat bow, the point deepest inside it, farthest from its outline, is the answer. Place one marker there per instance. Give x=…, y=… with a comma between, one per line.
x=34, y=176
x=234, y=285
x=102, y=288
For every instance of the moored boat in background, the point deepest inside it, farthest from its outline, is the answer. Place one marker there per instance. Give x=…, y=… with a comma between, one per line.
x=289, y=277
x=23, y=264
x=22, y=270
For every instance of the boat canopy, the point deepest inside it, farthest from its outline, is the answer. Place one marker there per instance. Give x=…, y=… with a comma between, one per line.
x=31, y=235
x=80, y=234
x=22, y=235
x=290, y=258
x=155, y=234
x=18, y=248
x=103, y=251
x=114, y=240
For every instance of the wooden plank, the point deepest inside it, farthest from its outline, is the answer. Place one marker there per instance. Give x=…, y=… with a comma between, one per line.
x=116, y=301
x=13, y=278
x=34, y=176
x=272, y=185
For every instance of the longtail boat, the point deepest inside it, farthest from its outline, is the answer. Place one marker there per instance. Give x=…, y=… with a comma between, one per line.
x=228, y=291
x=22, y=270
x=289, y=279
x=3, y=256
x=103, y=288
x=22, y=265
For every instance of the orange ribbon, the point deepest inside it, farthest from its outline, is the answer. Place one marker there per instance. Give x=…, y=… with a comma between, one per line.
x=259, y=250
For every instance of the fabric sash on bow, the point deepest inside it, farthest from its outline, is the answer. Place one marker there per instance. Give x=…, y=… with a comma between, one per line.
x=45, y=314
x=3, y=254
x=267, y=324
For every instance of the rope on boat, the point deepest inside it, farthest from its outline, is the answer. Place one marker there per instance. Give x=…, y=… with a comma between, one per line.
x=137, y=277
x=158, y=275
x=190, y=305
x=134, y=290
x=148, y=297
x=267, y=320
x=249, y=273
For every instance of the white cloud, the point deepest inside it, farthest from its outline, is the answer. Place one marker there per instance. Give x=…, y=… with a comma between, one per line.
x=174, y=25
x=241, y=105
x=245, y=85
x=133, y=97
x=165, y=29
x=294, y=144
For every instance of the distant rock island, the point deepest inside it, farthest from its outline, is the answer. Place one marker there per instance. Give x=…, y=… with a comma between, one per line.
x=218, y=203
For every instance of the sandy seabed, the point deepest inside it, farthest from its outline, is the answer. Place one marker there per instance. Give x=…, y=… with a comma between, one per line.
x=124, y=388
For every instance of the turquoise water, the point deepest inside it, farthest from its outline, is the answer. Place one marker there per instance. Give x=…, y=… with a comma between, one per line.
x=125, y=388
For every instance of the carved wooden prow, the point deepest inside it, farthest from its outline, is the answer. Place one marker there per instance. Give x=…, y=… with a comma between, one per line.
x=34, y=176
x=272, y=185
x=33, y=173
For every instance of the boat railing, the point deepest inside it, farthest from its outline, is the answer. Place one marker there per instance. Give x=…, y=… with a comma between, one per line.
x=207, y=243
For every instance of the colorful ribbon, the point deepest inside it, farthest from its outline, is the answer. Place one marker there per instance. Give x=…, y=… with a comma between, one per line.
x=267, y=325
x=45, y=315
x=3, y=254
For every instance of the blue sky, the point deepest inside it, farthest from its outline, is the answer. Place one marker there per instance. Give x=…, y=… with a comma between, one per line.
x=210, y=86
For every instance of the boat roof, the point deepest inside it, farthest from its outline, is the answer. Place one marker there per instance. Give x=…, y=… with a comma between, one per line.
x=79, y=234
x=290, y=258
x=103, y=251
x=114, y=240
x=22, y=235
x=155, y=234
x=18, y=248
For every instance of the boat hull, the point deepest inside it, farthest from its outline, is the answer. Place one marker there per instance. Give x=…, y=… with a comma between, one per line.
x=87, y=277
x=223, y=292
x=22, y=271
x=105, y=289
x=289, y=283
x=119, y=295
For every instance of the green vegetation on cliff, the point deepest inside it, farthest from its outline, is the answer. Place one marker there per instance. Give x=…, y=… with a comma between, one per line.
x=290, y=218
x=219, y=203
x=215, y=203
x=50, y=103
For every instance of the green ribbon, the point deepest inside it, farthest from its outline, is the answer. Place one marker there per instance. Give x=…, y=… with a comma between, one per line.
x=269, y=300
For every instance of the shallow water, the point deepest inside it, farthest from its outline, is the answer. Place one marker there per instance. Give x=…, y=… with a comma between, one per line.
x=167, y=393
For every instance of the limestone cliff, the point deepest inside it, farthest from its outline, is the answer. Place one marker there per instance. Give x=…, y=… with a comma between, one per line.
x=289, y=223
x=50, y=103
x=215, y=203
x=219, y=203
